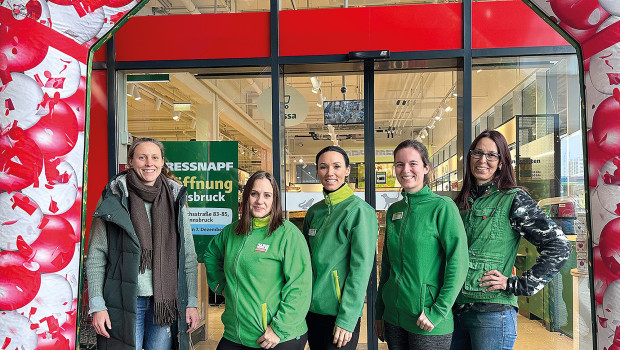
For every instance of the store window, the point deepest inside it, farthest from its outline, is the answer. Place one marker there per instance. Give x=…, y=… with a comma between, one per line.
x=211, y=116
x=538, y=100
x=319, y=4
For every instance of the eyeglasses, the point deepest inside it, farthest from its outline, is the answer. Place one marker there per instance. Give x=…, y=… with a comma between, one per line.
x=491, y=156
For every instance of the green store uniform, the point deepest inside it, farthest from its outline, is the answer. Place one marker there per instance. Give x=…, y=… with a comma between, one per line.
x=266, y=281
x=424, y=262
x=342, y=236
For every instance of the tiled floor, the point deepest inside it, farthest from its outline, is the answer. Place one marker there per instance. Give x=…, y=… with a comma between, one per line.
x=531, y=335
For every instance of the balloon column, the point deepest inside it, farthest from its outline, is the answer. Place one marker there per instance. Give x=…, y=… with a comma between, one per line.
x=44, y=50
x=595, y=25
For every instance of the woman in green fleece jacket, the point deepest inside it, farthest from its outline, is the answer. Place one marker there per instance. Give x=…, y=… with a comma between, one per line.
x=424, y=261
x=262, y=266
x=342, y=235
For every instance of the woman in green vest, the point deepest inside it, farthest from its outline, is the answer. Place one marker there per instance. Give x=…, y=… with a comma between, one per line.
x=496, y=213
x=141, y=267
x=342, y=236
x=260, y=263
x=424, y=259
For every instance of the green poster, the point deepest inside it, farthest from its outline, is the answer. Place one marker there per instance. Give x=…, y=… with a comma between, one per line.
x=209, y=171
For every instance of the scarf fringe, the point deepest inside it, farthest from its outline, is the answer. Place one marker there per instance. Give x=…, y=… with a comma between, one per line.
x=146, y=260
x=165, y=312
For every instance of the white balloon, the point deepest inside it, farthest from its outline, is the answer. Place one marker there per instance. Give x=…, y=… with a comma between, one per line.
x=611, y=6
x=605, y=69
x=76, y=159
x=20, y=11
x=61, y=192
x=54, y=299
x=15, y=328
x=593, y=99
x=24, y=97
x=58, y=72
x=72, y=272
x=19, y=215
x=611, y=304
x=65, y=19
x=112, y=16
x=609, y=21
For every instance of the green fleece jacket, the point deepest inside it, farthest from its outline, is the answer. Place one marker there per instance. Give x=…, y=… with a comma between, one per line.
x=424, y=262
x=342, y=236
x=266, y=281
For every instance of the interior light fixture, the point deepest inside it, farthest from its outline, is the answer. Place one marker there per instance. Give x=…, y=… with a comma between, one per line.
x=448, y=108
x=130, y=89
x=455, y=94
x=438, y=116
x=136, y=95
x=301, y=160
x=316, y=84
x=182, y=106
x=157, y=103
x=175, y=117
x=479, y=70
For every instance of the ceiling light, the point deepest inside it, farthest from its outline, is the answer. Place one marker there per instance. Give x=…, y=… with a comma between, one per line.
x=301, y=160
x=479, y=70
x=130, y=88
x=437, y=116
x=175, y=117
x=448, y=108
x=157, y=103
x=316, y=84
x=455, y=94
x=136, y=95
x=182, y=106
x=318, y=104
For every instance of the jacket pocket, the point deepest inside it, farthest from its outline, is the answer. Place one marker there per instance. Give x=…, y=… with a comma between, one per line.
x=477, y=268
x=486, y=221
x=337, y=285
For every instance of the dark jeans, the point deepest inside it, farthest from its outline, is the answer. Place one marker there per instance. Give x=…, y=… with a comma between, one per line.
x=485, y=330
x=399, y=339
x=293, y=344
x=321, y=333
x=149, y=335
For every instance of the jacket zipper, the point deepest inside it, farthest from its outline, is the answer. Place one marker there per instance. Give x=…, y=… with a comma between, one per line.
x=400, y=246
x=237, y=286
x=337, y=285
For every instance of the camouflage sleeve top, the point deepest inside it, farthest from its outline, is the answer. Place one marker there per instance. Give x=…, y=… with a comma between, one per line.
x=533, y=224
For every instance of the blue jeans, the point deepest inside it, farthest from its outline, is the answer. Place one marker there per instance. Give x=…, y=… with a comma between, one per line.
x=148, y=334
x=485, y=330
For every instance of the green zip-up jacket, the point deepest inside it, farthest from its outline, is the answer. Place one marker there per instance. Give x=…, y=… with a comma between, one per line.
x=424, y=262
x=266, y=281
x=342, y=236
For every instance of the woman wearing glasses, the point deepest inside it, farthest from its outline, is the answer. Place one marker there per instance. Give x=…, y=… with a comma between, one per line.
x=496, y=213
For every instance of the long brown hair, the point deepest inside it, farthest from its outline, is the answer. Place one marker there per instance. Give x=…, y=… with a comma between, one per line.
x=418, y=146
x=276, y=220
x=504, y=177
x=164, y=169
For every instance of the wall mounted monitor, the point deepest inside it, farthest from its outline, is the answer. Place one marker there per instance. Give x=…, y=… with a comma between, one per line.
x=343, y=112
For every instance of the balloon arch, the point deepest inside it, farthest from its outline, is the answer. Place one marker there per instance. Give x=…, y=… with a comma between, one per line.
x=46, y=49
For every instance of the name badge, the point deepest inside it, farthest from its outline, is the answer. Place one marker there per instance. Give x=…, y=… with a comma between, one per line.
x=312, y=232
x=260, y=247
x=397, y=216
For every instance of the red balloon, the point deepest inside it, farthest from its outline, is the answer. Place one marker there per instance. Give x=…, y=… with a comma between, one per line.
x=602, y=276
x=596, y=159
x=77, y=102
x=609, y=244
x=606, y=124
x=21, y=160
x=57, y=132
x=63, y=337
x=74, y=216
x=21, y=49
x=54, y=247
x=579, y=34
x=19, y=284
x=579, y=14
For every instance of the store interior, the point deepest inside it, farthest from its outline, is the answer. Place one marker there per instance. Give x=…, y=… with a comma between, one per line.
x=530, y=99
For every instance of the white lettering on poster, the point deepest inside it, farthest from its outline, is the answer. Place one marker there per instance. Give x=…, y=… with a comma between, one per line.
x=200, y=166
